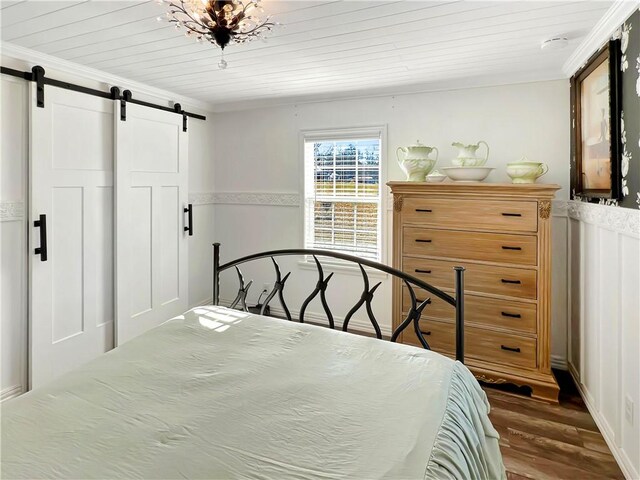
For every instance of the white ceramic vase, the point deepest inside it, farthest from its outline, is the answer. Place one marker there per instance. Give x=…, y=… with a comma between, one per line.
x=415, y=161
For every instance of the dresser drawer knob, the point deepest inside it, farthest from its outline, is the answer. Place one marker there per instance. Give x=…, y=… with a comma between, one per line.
x=420, y=240
x=427, y=333
x=510, y=349
x=505, y=247
x=511, y=315
x=511, y=214
x=423, y=210
x=422, y=271
x=514, y=282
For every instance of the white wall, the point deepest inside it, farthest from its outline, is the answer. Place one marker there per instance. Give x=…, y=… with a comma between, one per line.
x=259, y=151
x=604, y=345
x=13, y=208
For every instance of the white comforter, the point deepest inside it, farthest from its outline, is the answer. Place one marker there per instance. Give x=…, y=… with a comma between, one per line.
x=218, y=393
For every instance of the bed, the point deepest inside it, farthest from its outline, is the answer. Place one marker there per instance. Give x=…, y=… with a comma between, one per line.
x=222, y=393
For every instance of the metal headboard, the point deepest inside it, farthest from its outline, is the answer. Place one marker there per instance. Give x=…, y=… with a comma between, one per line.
x=409, y=281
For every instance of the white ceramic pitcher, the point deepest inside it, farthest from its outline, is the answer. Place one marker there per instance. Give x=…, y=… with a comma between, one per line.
x=467, y=155
x=416, y=163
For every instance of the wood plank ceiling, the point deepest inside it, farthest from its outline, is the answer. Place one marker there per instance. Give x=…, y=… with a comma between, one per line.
x=325, y=48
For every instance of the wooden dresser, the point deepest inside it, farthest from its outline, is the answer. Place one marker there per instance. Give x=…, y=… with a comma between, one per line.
x=501, y=234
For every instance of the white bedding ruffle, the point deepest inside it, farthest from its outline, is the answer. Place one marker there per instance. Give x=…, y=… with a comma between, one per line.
x=466, y=446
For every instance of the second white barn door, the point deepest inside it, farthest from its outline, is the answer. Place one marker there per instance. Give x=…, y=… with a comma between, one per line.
x=151, y=241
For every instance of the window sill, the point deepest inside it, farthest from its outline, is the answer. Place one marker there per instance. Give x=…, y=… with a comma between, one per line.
x=340, y=267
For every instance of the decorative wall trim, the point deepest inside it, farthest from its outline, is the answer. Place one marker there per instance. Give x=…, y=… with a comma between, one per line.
x=286, y=199
x=11, y=211
x=206, y=198
x=558, y=208
x=598, y=36
x=622, y=220
x=11, y=392
x=277, y=199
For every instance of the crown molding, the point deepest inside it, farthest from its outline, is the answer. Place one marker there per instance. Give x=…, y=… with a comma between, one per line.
x=33, y=57
x=599, y=34
x=465, y=83
x=619, y=219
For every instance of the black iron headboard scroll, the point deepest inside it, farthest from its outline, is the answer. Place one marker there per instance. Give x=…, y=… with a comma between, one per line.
x=413, y=317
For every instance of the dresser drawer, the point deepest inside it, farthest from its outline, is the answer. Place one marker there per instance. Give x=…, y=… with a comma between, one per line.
x=490, y=247
x=479, y=344
x=508, y=281
x=514, y=216
x=500, y=348
x=440, y=336
x=512, y=315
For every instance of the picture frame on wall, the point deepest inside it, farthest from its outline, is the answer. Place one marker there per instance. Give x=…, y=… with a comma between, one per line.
x=596, y=105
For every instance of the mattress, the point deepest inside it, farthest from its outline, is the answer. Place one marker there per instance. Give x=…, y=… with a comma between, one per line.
x=217, y=393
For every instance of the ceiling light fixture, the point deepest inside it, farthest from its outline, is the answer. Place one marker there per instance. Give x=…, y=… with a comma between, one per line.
x=218, y=21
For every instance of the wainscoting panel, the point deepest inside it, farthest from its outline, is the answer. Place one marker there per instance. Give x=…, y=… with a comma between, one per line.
x=604, y=338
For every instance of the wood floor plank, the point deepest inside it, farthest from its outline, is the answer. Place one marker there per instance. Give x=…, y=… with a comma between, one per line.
x=535, y=426
x=600, y=463
x=542, y=441
x=593, y=441
x=579, y=418
x=540, y=468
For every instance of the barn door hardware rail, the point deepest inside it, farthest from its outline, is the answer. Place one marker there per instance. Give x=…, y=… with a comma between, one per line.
x=37, y=75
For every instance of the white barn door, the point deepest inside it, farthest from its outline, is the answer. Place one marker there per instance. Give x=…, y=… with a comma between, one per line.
x=151, y=241
x=71, y=316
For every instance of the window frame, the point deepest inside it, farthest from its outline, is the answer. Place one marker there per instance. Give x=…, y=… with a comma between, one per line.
x=346, y=133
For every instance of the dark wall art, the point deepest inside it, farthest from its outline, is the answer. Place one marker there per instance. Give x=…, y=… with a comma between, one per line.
x=605, y=104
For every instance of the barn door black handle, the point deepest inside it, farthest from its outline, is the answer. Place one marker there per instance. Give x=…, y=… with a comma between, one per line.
x=189, y=211
x=42, y=249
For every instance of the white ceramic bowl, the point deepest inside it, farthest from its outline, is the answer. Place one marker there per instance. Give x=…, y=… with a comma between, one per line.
x=469, y=162
x=435, y=178
x=467, y=174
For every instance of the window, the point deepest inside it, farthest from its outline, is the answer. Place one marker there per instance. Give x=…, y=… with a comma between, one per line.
x=343, y=193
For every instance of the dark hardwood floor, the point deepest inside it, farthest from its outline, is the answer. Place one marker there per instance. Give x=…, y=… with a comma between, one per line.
x=543, y=441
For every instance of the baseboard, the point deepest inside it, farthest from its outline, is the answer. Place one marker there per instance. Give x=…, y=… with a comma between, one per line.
x=206, y=301
x=559, y=362
x=619, y=454
x=11, y=392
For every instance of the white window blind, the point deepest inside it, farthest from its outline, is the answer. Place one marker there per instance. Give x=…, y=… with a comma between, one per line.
x=343, y=193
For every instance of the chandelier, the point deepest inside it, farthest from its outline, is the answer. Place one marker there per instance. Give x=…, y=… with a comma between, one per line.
x=218, y=21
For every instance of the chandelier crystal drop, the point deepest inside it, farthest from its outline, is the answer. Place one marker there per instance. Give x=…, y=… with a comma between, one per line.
x=220, y=22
